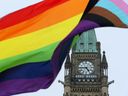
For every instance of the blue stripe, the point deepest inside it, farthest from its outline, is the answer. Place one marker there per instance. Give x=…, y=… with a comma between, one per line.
x=107, y=4
x=27, y=71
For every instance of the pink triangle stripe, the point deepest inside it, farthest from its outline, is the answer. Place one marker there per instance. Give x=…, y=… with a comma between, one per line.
x=121, y=4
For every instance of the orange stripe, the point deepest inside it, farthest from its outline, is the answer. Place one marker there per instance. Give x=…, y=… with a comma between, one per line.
x=50, y=17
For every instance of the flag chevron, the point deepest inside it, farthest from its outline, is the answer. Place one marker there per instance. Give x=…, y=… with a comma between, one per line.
x=114, y=9
x=122, y=5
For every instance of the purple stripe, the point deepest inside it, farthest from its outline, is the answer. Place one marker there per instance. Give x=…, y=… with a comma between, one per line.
x=17, y=86
x=82, y=27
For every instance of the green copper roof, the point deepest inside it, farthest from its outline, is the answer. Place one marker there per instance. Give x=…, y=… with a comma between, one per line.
x=86, y=42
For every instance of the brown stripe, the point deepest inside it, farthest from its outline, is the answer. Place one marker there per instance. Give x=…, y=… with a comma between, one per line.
x=108, y=15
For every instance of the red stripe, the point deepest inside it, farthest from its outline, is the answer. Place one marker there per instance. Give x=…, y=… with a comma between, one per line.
x=28, y=12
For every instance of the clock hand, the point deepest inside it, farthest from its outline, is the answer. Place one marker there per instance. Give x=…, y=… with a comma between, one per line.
x=87, y=69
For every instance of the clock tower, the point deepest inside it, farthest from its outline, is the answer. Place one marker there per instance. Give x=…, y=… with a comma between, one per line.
x=86, y=69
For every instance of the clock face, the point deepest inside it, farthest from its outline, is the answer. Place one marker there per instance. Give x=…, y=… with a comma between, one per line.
x=86, y=67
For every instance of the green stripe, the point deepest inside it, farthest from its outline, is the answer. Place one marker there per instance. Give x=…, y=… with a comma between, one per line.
x=39, y=55
x=42, y=54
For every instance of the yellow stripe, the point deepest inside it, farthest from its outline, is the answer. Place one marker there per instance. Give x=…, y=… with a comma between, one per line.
x=38, y=39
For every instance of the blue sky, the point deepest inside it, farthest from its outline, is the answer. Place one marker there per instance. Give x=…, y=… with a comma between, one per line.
x=114, y=42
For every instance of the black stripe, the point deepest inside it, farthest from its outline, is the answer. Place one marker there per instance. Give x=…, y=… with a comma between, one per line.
x=91, y=4
x=98, y=19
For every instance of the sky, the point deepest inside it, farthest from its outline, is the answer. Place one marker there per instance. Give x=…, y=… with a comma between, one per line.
x=113, y=41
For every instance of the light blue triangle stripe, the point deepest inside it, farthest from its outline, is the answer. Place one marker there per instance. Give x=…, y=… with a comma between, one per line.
x=107, y=4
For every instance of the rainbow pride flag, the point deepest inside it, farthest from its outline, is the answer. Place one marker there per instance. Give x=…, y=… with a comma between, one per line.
x=34, y=40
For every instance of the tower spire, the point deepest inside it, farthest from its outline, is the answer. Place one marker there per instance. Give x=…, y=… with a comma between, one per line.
x=68, y=58
x=104, y=65
x=67, y=63
x=104, y=61
x=86, y=42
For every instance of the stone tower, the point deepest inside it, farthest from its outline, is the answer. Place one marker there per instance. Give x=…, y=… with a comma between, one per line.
x=86, y=70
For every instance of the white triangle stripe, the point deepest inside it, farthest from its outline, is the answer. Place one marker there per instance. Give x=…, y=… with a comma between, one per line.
x=126, y=1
